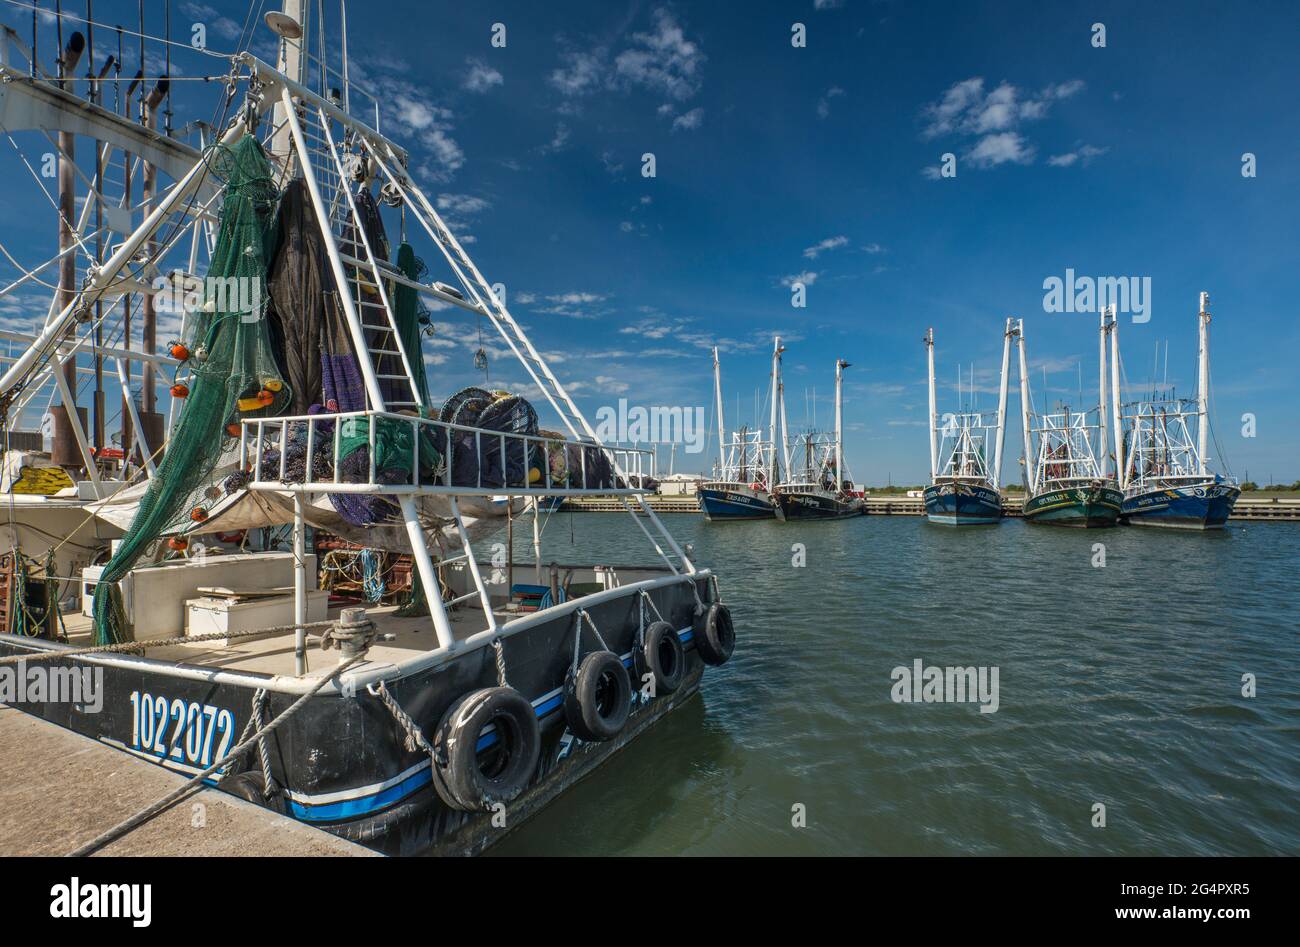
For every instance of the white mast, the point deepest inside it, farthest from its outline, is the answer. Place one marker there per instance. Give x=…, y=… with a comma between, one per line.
x=1121, y=471
x=1101, y=399
x=290, y=64
x=722, y=432
x=776, y=383
x=934, y=448
x=1031, y=468
x=1203, y=386
x=785, y=433
x=840, y=365
x=1002, y=407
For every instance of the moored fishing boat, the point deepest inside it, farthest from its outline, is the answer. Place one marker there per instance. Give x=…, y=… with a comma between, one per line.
x=1065, y=483
x=1166, y=478
x=748, y=464
x=964, y=491
x=433, y=727
x=818, y=488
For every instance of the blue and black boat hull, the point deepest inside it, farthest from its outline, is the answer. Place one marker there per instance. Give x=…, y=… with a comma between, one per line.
x=817, y=505
x=738, y=502
x=1195, y=506
x=962, y=504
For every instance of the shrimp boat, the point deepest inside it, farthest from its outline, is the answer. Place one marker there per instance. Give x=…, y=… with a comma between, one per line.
x=819, y=489
x=434, y=727
x=1166, y=478
x=963, y=490
x=1065, y=482
x=741, y=488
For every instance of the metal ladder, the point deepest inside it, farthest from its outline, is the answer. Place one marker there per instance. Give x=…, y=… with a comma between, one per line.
x=364, y=289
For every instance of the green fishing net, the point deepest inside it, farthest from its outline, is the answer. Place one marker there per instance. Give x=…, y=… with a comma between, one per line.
x=233, y=374
x=408, y=311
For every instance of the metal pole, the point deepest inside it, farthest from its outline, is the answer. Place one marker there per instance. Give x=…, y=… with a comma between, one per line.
x=840, y=365
x=1031, y=469
x=299, y=586
x=1101, y=402
x=722, y=436
x=428, y=578
x=776, y=381
x=934, y=447
x=537, y=541
x=1203, y=385
x=1121, y=467
x=1002, y=407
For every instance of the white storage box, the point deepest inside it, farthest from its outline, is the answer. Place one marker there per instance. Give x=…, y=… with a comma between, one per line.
x=155, y=596
x=215, y=615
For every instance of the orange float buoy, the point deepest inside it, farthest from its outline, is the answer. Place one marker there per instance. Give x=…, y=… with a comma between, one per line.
x=178, y=543
x=198, y=514
x=180, y=391
x=233, y=429
x=180, y=352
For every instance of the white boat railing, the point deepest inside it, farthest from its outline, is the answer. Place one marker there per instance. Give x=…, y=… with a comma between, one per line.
x=493, y=454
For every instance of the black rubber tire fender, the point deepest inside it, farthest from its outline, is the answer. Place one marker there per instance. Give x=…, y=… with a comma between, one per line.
x=661, y=654
x=474, y=785
x=248, y=786
x=715, y=634
x=598, y=697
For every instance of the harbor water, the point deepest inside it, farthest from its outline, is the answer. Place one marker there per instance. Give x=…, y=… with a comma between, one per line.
x=1119, y=685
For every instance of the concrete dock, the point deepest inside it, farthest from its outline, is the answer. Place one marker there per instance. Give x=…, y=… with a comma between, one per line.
x=59, y=790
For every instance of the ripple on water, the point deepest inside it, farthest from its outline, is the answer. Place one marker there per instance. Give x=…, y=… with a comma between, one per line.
x=1119, y=685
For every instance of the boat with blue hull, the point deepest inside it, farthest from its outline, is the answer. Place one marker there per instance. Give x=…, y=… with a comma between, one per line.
x=964, y=490
x=1166, y=477
x=953, y=502
x=749, y=464
x=721, y=501
x=1204, y=505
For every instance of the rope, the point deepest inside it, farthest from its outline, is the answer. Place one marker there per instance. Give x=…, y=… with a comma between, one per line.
x=501, y=662
x=131, y=646
x=582, y=612
x=196, y=782
x=645, y=596
x=415, y=740
x=263, y=754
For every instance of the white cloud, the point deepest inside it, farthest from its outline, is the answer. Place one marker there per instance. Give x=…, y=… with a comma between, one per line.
x=663, y=60
x=830, y=243
x=965, y=108
x=581, y=74
x=1084, y=154
x=993, y=150
x=827, y=4
x=873, y=248
x=482, y=77
x=993, y=117
x=807, y=277
x=462, y=203
x=689, y=120
x=558, y=142
x=824, y=103
x=611, y=385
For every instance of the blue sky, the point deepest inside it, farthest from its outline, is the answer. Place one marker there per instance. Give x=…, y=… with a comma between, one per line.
x=775, y=162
